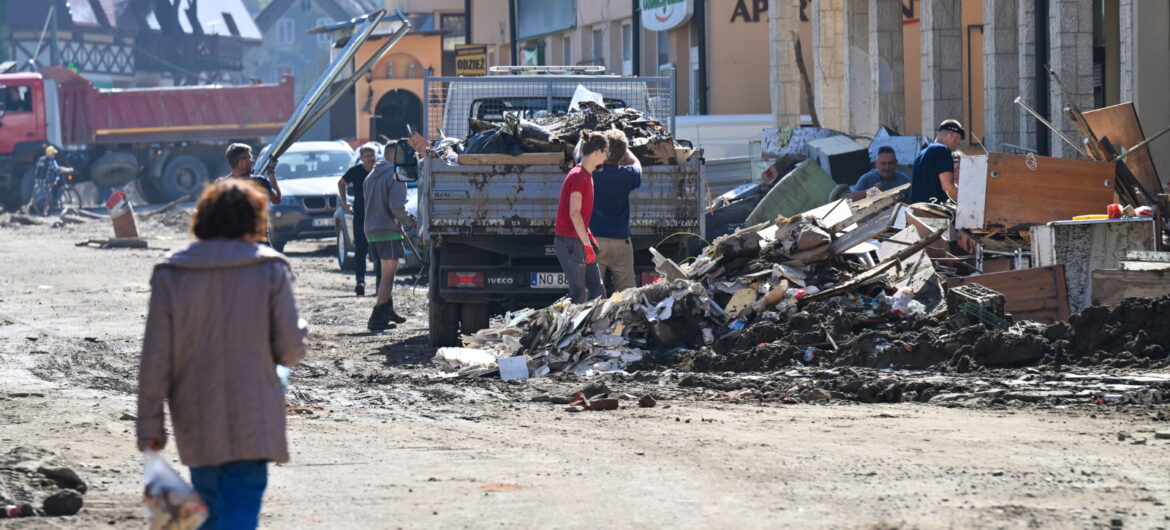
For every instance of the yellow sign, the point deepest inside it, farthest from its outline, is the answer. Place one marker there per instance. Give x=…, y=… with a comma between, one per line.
x=470, y=59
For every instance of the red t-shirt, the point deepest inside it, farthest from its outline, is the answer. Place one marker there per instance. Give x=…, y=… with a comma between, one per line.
x=581, y=181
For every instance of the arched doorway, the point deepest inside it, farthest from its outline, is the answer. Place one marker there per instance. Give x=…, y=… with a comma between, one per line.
x=396, y=109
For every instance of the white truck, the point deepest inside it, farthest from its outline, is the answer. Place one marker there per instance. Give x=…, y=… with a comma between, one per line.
x=488, y=229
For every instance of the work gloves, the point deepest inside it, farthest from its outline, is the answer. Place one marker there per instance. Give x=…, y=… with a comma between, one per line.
x=590, y=255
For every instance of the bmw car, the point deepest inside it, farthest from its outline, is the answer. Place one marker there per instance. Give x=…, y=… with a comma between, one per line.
x=307, y=174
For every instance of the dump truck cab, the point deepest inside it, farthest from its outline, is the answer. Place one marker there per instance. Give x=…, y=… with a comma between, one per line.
x=24, y=123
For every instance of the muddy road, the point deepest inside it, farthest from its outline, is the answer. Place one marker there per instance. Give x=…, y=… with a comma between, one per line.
x=380, y=439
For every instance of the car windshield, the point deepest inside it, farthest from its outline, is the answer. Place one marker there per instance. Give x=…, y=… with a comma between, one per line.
x=310, y=164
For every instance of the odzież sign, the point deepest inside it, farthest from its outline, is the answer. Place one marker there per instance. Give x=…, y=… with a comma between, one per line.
x=661, y=15
x=470, y=59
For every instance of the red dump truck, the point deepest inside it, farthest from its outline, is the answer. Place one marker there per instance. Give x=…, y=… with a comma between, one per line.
x=169, y=140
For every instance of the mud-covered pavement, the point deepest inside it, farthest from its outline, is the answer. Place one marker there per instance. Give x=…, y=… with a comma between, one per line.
x=379, y=439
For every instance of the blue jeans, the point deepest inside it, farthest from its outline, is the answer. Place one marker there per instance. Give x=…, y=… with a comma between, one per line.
x=233, y=492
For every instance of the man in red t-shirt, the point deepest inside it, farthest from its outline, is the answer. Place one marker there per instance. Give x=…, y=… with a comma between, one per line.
x=573, y=242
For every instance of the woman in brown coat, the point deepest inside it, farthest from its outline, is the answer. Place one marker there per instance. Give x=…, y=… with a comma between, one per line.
x=222, y=317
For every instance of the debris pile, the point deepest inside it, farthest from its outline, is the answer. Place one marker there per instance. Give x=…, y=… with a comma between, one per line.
x=649, y=139
x=767, y=273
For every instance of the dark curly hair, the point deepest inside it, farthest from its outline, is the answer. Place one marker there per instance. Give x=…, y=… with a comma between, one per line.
x=593, y=142
x=230, y=208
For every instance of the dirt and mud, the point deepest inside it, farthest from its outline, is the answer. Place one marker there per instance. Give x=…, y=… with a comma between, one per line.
x=959, y=432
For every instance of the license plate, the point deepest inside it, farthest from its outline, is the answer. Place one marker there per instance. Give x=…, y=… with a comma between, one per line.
x=323, y=221
x=549, y=280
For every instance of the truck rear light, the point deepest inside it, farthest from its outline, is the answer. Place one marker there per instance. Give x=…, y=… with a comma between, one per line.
x=465, y=279
x=649, y=278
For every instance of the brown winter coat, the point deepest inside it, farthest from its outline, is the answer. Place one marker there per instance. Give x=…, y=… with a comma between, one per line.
x=222, y=316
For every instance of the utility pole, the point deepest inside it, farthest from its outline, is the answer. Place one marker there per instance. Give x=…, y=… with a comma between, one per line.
x=54, y=45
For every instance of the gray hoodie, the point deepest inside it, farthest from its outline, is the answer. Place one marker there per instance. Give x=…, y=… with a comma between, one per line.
x=222, y=316
x=385, y=202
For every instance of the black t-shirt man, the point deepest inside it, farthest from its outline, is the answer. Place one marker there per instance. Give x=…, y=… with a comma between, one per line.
x=354, y=178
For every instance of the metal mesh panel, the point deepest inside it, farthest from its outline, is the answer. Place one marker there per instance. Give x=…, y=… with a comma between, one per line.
x=452, y=100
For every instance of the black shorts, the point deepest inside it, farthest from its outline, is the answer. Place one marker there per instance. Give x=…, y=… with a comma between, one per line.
x=387, y=250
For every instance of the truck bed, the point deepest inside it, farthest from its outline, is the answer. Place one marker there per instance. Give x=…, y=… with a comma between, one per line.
x=521, y=200
x=169, y=114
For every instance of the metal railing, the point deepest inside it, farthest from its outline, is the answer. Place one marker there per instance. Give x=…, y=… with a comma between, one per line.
x=450, y=101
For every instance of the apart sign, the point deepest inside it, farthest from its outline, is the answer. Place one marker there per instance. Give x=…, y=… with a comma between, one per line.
x=470, y=59
x=661, y=15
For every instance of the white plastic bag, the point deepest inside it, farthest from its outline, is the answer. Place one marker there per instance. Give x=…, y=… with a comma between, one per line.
x=171, y=503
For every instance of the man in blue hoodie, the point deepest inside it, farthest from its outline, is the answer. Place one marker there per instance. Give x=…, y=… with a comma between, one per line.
x=386, y=224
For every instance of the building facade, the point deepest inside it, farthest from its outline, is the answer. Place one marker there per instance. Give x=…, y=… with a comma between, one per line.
x=133, y=43
x=716, y=50
x=289, y=49
x=911, y=64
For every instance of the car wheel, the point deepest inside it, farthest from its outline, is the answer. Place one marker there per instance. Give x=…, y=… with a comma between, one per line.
x=277, y=243
x=443, y=320
x=345, y=261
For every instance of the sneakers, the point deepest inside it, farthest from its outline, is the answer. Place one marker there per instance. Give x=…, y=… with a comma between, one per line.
x=360, y=289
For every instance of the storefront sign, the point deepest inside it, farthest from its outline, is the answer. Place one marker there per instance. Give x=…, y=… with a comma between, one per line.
x=470, y=59
x=661, y=15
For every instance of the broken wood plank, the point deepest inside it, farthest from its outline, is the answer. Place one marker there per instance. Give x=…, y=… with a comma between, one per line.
x=1120, y=124
x=863, y=233
x=167, y=207
x=1111, y=286
x=1146, y=255
x=868, y=210
x=877, y=273
x=1038, y=294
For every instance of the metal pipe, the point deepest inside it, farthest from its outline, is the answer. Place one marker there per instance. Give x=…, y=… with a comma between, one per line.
x=285, y=138
x=321, y=109
x=513, y=52
x=1126, y=152
x=1020, y=102
x=1041, y=58
x=701, y=26
x=636, y=37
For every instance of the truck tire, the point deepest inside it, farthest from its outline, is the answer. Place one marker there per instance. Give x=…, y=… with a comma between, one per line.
x=443, y=320
x=183, y=175
x=114, y=169
x=26, y=189
x=344, y=260
x=148, y=190
x=473, y=317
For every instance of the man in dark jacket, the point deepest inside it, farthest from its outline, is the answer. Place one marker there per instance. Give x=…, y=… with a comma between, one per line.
x=355, y=177
x=386, y=224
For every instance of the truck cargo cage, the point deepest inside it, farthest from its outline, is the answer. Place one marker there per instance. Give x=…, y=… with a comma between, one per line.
x=450, y=101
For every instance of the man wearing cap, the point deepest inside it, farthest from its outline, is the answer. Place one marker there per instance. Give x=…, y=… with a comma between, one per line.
x=933, y=176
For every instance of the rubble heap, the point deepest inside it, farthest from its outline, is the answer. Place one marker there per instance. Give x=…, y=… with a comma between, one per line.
x=767, y=273
x=649, y=139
